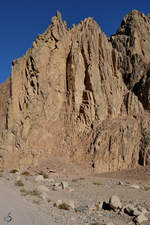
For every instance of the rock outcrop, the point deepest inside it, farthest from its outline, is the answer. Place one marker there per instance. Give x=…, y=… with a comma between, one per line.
x=78, y=94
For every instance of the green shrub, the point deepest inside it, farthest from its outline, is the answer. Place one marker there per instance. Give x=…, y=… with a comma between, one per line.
x=146, y=188
x=14, y=171
x=98, y=183
x=19, y=183
x=36, y=202
x=44, y=175
x=34, y=192
x=26, y=173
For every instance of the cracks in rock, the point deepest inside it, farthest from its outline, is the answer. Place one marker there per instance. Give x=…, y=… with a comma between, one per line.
x=6, y=126
x=67, y=73
x=131, y=65
x=144, y=150
x=33, y=65
x=110, y=143
x=114, y=60
x=70, y=82
x=87, y=97
x=55, y=39
x=31, y=73
x=126, y=98
x=87, y=82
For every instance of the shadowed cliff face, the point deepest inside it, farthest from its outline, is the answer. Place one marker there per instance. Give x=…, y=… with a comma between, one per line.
x=79, y=95
x=132, y=43
x=4, y=95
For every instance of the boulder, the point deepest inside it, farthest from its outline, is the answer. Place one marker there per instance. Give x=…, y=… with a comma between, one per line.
x=65, y=185
x=39, y=178
x=140, y=219
x=135, y=186
x=115, y=203
x=132, y=210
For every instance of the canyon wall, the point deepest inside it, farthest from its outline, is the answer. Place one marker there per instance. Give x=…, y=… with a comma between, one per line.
x=78, y=94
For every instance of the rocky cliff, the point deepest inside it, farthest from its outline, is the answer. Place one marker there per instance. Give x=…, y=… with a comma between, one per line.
x=78, y=94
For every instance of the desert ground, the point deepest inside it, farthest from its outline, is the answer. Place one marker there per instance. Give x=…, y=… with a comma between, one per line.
x=71, y=196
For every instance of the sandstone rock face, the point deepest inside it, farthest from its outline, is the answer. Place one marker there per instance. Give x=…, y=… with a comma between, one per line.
x=77, y=93
x=132, y=43
x=4, y=95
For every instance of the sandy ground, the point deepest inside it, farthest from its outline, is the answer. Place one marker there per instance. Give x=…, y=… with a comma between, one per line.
x=15, y=210
x=20, y=206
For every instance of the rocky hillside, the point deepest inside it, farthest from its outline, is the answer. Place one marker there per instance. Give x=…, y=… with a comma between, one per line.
x=78, y=94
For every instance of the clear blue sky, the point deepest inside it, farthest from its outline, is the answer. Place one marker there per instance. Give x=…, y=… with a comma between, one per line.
x=22, y=20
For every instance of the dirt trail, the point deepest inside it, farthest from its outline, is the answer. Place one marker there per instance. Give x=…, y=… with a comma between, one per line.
x=14, y=210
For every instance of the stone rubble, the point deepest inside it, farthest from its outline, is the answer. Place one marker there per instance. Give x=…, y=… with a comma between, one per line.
x=140, y=219
x=102, y=212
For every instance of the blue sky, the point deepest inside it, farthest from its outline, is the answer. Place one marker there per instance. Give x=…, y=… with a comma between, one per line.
x=22, y=20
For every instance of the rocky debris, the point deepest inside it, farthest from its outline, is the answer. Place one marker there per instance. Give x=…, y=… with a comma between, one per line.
x=120, y=183
x=8, y=218
x=86, y=205
x=115, y=203
x=99, y=205
x=134, y=211
x=140, y=219
x=142, y=209
x=138, y=213
x=57, y=187
x=82, y=208
x=63, y=185
x=131, y=210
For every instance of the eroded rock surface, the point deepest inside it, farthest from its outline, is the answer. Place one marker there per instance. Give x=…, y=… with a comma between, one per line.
x=79, y=94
